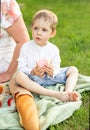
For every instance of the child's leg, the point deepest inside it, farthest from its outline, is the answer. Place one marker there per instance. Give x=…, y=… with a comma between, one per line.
x=23, y=80
x=72, y=77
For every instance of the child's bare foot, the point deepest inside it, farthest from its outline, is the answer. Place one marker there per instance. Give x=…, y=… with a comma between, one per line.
x=68, y=96
x=63, y=96
x=74, y=96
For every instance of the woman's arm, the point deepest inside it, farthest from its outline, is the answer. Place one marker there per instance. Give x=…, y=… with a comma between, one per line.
x=20, y=34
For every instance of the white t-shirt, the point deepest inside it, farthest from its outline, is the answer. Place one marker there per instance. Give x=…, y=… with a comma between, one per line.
x=31, y=53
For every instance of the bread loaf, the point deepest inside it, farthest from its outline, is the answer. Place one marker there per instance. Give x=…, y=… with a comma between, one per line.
x=27, y=112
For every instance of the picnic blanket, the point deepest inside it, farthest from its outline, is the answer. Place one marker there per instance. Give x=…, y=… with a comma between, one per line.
x=51, y=111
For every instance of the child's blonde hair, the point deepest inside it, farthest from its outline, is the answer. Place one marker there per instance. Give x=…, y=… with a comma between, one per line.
x=47, y=15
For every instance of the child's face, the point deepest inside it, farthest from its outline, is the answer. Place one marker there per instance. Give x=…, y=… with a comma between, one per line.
x=41, y=32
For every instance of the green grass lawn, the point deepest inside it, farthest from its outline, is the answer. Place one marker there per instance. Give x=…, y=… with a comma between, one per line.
x=73, y=40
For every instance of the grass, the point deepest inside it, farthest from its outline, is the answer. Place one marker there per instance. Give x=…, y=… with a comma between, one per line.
x=73, y=40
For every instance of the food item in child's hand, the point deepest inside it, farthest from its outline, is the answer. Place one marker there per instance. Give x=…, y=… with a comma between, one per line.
x=42, y=62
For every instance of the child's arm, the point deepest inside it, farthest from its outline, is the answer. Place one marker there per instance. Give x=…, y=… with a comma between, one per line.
x=23, y=61
x=56, y=60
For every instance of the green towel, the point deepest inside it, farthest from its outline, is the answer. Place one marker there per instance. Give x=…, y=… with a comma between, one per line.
x=51, y=110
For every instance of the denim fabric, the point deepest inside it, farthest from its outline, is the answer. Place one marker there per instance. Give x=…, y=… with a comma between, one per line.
x=47, y=81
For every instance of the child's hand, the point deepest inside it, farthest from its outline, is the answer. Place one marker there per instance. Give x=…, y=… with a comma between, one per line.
x=39, y=71
x=48, y=68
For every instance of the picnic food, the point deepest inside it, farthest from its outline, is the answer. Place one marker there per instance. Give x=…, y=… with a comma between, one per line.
x=2, y=92
x=1, y=89
x=27, y=112
x=42, y=62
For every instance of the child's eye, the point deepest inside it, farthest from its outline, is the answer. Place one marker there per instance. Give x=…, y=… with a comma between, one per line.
x=35, y=28
x=44, y=30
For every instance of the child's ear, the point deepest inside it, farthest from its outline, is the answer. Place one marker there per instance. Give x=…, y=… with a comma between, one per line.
x=53, y=33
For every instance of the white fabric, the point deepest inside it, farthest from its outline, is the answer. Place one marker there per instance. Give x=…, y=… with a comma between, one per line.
x=3, y=65
x=9, y=13
x=31, y=53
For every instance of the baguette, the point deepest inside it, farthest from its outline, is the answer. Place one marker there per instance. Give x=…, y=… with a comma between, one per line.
x=27, y=110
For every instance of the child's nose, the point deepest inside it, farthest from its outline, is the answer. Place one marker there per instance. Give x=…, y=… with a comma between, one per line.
x=39, y=32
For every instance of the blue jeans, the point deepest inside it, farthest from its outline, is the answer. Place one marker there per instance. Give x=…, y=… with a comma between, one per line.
x=48, y=81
